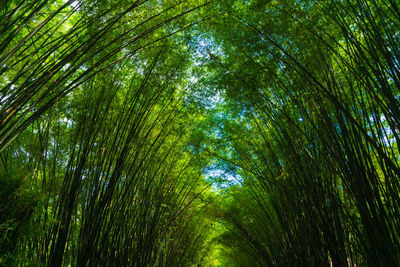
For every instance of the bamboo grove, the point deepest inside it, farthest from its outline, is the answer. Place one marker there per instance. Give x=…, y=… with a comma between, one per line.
x=199, y=133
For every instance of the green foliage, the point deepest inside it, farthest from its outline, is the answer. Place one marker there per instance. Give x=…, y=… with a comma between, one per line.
x=18, y=202
x=195, y=133
x=316, y=155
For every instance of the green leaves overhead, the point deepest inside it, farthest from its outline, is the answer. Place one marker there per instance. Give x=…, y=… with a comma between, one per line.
x=199, y=133
x=318, y=147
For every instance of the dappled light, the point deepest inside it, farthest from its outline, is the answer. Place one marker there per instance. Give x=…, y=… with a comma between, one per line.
x=199, y=133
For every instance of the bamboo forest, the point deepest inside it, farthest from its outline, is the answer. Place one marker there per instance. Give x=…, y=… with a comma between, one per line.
x=199, y=133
